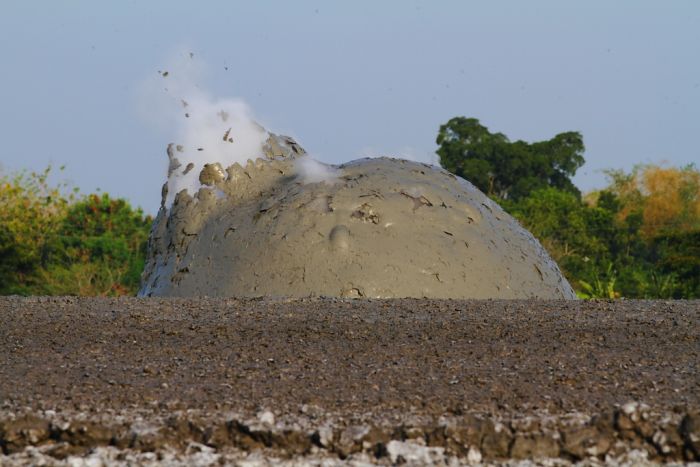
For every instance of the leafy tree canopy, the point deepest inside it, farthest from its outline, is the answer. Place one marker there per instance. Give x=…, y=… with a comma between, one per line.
x=30, y=215
x=108, y=232
x=54, y=242
x=504, y=169
x=662, y=199
x=637, y=238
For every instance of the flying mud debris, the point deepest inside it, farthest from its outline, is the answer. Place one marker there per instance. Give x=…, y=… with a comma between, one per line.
x=226, y=137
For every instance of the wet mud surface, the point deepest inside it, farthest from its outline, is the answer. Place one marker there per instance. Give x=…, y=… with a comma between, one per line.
x=381, y=381
x=375, y=228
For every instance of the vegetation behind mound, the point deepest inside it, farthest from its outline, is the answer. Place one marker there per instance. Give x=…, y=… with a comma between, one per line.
x=54, y=242
x=639, y=237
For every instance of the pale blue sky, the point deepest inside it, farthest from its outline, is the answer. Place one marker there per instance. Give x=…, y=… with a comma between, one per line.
x=349, y=79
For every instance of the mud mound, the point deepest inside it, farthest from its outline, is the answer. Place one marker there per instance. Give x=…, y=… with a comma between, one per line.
x=289, y=226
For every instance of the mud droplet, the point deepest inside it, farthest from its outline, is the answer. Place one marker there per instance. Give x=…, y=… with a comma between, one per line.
x=418, y=201
x=340, y=237
x=164, y=193
x=352, y=292
x=211, y=174
x=226, y=137
x=366, y=214
x=473, y=215
x=539, y=271
x=173, y=162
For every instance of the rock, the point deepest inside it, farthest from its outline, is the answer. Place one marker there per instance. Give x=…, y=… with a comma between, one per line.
x=324, y=436
x=82, y=434
x=537, y=446
x=266, y=418
x=496, y=441
x=211, y=174
x=379, y=228
x=474, y=456
x=690, y=430
x=668, y=442
x=465, y=437
x=587, y=442
x=25, y=431
x=414, y=454
x=632, y=420
x=351, y=439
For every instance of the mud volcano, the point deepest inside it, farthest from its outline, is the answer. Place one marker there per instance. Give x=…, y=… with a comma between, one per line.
x=287, y=226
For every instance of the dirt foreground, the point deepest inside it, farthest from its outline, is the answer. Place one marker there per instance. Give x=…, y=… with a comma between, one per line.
x=330, y=381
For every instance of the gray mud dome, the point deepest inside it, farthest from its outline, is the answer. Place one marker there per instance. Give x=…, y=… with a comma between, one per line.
x=378, y=228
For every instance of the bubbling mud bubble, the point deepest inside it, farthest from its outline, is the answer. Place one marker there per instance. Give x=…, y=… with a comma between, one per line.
x=285, y=226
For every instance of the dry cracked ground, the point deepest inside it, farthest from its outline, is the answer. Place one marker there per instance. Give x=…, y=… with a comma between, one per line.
x=334, y=381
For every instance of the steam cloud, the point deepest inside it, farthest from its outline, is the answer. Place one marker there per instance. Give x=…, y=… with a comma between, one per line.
x=205, y=129
x=312, y=171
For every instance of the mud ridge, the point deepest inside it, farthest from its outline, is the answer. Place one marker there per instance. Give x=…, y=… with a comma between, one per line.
x=382, y=381
x=662, y=437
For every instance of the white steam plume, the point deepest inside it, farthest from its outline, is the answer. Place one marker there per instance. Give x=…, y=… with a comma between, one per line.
x=203, y=129
x=312, y=171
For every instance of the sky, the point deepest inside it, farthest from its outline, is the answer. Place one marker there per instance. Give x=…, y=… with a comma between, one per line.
x=348, y=79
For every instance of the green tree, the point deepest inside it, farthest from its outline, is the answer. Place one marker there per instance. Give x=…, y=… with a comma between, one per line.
x=54, y=243
x=677, y=256
x=657, y=211
x=100, y=248
x=504, y=169
x=637, y=238
x=576, y=235
x=30, y=215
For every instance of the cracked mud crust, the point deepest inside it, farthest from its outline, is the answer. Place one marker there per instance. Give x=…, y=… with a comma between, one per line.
x=381, y=228
x=347, y=381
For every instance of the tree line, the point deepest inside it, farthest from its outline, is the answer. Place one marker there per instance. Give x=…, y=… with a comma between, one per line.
x=639, y=237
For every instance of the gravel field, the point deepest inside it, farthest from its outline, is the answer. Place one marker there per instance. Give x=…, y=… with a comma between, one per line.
x=335, y=381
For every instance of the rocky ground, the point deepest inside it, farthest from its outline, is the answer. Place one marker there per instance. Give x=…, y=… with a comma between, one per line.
x=329, y=381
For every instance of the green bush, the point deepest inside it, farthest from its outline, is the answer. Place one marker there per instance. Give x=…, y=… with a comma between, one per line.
x=614, y=245
x=53, y=243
